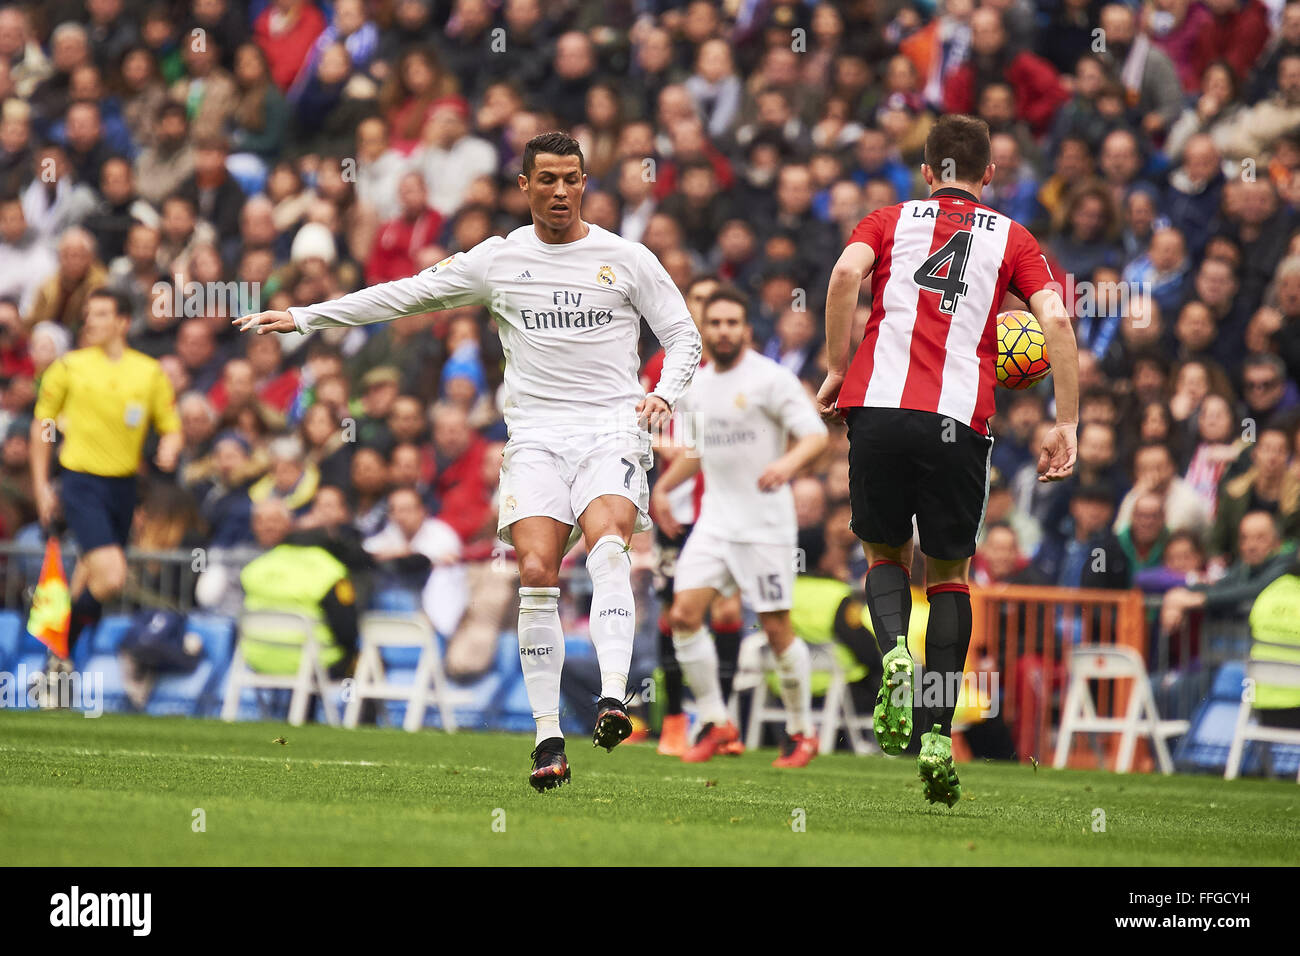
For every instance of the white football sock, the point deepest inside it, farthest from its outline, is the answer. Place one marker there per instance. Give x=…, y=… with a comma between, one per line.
x=698, y=659
x=795, y=672
x=541, y=656
x=613, y=613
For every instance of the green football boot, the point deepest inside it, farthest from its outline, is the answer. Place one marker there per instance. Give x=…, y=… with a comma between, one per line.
x=892, y=718
x=937, y=769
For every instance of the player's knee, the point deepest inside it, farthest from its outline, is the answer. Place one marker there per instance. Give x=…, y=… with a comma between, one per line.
x=778, y=630
x=536, y=572
x=608, y=560
x=107, y=577
x=685, y=619
x=726, y=616
x=947, y=572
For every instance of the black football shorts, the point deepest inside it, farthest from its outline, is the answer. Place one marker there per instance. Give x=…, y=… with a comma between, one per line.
x=905, y=462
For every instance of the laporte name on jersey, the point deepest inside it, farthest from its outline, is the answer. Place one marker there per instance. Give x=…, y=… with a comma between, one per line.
x=981, y=218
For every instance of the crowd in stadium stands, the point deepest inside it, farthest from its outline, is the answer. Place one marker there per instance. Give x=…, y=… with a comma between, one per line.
x=299, y=150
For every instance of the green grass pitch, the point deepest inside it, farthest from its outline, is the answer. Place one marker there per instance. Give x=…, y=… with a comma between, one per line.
x=122, y=790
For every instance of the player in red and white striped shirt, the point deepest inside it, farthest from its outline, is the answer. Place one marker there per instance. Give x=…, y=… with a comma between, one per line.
x=917, y=399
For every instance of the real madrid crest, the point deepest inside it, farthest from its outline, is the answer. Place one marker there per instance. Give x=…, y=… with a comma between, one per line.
x=739, y=400
x=605, y=276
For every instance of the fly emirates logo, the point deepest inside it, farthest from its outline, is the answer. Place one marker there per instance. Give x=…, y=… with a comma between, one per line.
x=567, y=314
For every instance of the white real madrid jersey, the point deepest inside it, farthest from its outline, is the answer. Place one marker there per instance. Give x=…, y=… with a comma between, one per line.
x=569, y=316
x=740, y=421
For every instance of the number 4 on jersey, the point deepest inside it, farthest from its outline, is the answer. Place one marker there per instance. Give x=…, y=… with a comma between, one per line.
x=954, y=254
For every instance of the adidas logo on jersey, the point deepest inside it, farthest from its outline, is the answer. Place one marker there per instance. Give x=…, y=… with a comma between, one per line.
x=524, y=275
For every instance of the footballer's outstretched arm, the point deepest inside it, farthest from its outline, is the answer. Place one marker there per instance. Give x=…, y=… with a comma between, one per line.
x=1056, y=458
x=854, y=263
x=456, y=281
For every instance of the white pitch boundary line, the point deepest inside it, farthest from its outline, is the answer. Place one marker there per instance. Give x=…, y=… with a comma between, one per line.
x=323, y=761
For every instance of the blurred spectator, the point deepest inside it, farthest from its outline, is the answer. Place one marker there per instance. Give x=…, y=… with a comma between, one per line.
x=292, y=478
x=224, y=502
x=26, y=259
x=795, y=344
x=1261, y=559
x=1038, y=88
x=61, y=298
x=369, y=484
x=169, y=161
x=208, y=91
x=1000, y=559
x=1145, y=536
x=1265, y=387
x=422, y=553
x=287, y=30
x=55, y=201
x=1092, y=556
x=400, y=239
x=1219, y=446
x=1236, y=32
x=1270, y=485
x=459, y=484
x=1154, y=473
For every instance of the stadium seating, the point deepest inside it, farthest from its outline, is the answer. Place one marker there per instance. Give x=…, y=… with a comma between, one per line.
x=1247, y=728
x=836, y=714
x=1206, y=745
x=1099, y=662
x=11, y=635
x=309, y=680
x=426, y=686
x=197, y=693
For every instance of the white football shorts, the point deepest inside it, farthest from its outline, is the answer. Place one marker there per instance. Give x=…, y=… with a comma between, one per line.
x=558, y=475
x=764, y=573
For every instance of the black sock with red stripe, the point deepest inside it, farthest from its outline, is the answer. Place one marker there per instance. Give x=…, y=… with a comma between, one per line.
x=726, y=638
x=672, y=670
x=86, y=612
x=947, y=639
x=889, y=599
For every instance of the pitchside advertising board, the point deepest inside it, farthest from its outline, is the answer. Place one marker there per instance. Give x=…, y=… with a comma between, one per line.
x=127, y=907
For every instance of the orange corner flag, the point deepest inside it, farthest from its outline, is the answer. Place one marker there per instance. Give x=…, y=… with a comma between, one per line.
x=52, y=603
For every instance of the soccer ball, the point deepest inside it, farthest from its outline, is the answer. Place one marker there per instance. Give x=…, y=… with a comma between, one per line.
x=1022, y=350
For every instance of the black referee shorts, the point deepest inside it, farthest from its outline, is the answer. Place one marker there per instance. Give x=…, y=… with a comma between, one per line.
x=98, y=509
x=904, y=462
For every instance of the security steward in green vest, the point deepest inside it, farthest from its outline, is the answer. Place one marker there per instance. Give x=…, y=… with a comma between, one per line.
x=827, y=611
x=1275, y=630
x=313, y=573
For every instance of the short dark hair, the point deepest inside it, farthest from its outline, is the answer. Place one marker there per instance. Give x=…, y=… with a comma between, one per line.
x=1145, y=446
x=121, y=303
x=958, y=148
x=1099, y=491
x=728, y=293
x=557, y=144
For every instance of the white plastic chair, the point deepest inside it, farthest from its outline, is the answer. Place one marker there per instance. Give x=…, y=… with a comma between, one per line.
x=1079, y=713
x=370, y=682
x=310, y=679
x=1274, y=673
x=837, y=712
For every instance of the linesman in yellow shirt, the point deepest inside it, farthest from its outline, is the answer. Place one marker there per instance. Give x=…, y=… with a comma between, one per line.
x=103, y=397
